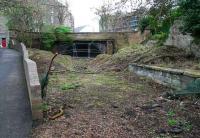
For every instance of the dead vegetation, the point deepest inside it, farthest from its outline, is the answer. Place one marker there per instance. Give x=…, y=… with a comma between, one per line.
x=112, y=104
x=43, y=59
x=160, y=56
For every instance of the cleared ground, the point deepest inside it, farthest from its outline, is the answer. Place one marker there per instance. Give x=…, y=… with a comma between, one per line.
x=112, y=104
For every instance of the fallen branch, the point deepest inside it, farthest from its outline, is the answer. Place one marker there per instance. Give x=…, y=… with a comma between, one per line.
x=61, y=113
x=162, y=56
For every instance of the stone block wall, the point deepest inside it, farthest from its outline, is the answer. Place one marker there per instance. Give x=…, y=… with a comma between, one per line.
x=121, y=39
x=174, y=78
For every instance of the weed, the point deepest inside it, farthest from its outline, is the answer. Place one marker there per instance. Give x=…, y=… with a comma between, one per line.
x=171, y=113
x=172, y=122
x=187, y=126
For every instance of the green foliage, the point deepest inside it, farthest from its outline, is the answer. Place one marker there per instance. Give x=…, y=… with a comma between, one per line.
x=187, y=126
x=159, y=25
x=191, y=16
x=69, y=86
x=148, y=22
x=172, y=122
x=160, y=37
x=22, y=16
x=171, y=113
x=48, y=40
x=63, y=29
x=144, y=23
x=61, y=33
x=53, y=34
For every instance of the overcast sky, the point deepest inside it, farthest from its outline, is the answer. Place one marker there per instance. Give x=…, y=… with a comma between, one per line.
x=83, y=12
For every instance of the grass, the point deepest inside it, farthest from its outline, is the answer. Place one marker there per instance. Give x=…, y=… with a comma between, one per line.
x=68, y=86
x=171, y=113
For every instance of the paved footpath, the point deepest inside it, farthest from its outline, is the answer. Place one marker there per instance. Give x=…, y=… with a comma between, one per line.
x=15, y=113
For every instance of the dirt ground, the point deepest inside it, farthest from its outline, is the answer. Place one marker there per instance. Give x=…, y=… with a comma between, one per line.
x=113, y=105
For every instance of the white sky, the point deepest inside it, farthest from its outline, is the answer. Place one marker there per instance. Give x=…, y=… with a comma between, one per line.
x=83, y=12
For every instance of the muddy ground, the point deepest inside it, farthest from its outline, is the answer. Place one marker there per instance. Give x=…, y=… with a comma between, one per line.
x=113, y=105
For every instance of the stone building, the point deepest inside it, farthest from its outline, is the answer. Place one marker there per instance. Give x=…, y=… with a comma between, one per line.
x=4, y=33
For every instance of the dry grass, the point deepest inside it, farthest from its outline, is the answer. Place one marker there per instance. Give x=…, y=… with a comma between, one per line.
x=160, y=56
x=43, y=59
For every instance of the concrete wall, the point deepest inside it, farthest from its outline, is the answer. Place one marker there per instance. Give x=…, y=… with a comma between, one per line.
x=174, y=78
x=185, y=41
x=32, y=79
x=121, y=39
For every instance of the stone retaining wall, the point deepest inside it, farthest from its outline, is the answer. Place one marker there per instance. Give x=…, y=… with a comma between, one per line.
x=32, y=79
x=174, y=78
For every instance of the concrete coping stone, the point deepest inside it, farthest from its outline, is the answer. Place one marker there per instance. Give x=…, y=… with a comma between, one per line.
x=190, y=73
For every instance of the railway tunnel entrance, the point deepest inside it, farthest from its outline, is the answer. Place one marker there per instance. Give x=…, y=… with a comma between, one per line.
x=87, y=49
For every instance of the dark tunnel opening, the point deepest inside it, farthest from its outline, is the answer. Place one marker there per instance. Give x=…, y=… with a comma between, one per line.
x=88, y=49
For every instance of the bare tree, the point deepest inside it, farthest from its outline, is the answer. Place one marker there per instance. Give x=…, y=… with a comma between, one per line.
x=104, y=12
x=62, y=12
x=23, y=15
x=113, y=15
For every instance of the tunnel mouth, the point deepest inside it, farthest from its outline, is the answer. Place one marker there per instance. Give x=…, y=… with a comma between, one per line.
x=83, y=49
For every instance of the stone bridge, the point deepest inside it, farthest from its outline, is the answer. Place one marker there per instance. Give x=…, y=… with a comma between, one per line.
x=118, y=39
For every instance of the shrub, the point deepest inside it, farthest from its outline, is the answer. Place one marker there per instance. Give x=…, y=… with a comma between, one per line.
x=143, y=24
x=191, y=16
x=53, y=34
x=61, y=33
x=48, y=40
x=161, y=37
x=148, y=22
